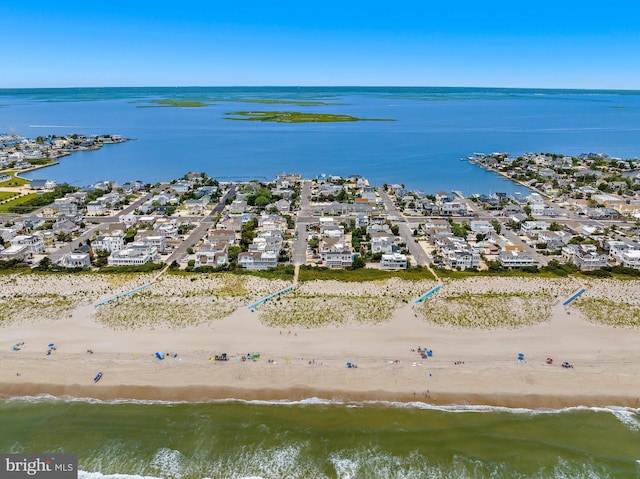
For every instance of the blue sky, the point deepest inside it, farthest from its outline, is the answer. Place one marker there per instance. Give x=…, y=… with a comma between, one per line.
x=517, y=43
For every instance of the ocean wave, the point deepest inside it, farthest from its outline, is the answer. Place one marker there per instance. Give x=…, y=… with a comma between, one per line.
x=281, y=462
x=99, y=475
x=626, y=415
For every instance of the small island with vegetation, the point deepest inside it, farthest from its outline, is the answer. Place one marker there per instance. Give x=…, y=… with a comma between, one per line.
x=166, y=103
x=295, y=117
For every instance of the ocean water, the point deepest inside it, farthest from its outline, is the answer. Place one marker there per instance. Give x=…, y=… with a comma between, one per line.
x=432, y=129
x=321, y=439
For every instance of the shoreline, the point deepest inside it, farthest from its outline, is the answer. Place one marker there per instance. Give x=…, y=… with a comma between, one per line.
x=310, y=396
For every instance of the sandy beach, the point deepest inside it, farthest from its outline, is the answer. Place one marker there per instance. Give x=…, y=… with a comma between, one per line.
x=469, y=365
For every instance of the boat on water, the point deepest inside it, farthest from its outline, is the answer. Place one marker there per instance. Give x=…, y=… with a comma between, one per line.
x=97, y=378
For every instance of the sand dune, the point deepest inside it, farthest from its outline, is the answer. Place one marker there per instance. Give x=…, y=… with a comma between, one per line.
x=474, y=365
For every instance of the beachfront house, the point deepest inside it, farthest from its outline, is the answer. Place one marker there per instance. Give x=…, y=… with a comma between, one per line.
x=515, y=257
x=338, y=257
x=393, y=261
x=14, y=252
x=212, y=254
x=135, y=254
x=33, y=243
x=584, y=256
x=76, y=260
x=255, y=260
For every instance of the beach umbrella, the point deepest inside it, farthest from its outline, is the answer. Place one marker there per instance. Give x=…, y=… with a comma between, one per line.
x=50, y=345
x=159, y=355
x=520, y=356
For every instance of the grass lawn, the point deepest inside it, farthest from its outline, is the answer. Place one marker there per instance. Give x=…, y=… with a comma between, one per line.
x=13, y=181
x=4, y=208
x=4, y=195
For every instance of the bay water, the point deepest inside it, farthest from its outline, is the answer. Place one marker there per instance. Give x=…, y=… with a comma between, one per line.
x=432, y=129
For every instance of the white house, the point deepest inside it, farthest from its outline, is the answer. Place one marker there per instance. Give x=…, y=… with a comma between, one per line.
x=33, y=243
x=132, y=256
x=393, y=261
x=514, y=258
x=258, y=260
x=76, y=260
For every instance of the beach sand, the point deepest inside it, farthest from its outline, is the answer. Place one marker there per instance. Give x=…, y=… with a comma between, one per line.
x=468, y=366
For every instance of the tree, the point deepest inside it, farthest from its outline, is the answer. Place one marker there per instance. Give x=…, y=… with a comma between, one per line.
x=358, y=262
x=44, y=264
x=496, y=226
x=554, y=226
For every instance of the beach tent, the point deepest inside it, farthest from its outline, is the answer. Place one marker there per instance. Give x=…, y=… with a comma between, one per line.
x=159, y=355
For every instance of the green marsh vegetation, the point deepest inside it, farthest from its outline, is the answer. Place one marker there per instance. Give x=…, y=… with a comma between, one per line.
x=295, y=117
x=165, y=103
x=283, y=102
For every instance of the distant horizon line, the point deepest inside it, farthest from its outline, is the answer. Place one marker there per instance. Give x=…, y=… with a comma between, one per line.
x=447, y=87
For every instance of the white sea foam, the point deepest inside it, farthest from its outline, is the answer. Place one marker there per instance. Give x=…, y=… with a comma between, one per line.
x=99, y=475
x=625, y=414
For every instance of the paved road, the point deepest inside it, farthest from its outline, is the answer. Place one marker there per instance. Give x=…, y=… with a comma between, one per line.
x=304, y=218
x=199, y=231
x=406, y=234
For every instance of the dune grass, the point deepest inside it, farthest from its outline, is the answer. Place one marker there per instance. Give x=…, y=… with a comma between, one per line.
x=610, y=313
x=322, y=303
x=486, y=311
x=35, y=307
